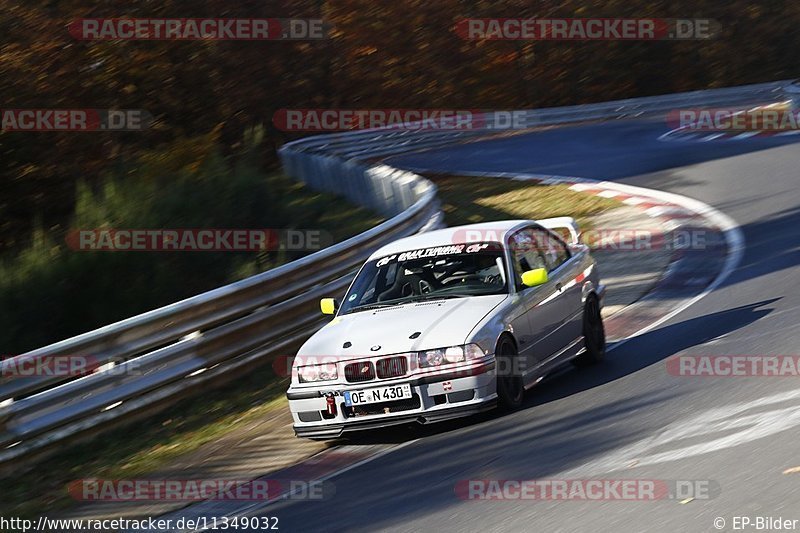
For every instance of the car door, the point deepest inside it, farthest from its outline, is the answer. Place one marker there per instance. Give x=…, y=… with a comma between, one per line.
x=561, y=270
x=540, y=306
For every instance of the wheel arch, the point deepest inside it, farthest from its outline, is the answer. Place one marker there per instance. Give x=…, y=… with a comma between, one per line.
x=506, y=335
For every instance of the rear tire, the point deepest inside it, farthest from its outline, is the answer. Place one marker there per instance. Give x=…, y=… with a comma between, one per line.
x=510, y=389
x=594, y=334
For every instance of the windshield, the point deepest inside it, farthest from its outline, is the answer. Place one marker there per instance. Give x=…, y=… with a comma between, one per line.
x=451, y=271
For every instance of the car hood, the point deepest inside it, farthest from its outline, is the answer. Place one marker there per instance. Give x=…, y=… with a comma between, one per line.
x=433, y=324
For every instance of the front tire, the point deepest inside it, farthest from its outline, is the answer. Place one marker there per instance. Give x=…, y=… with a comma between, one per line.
x=510, y=389
x=594, y=334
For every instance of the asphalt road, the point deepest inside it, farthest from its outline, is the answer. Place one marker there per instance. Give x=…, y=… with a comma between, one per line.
x=629, y=418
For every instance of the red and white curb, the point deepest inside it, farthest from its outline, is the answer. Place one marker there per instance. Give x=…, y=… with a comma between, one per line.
x=670, y=214
x=672, y=210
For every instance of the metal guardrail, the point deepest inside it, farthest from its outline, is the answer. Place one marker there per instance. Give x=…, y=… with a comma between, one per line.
x=149, y=360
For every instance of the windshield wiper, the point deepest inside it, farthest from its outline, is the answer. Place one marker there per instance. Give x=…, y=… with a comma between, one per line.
x=428, y=297
x=367, y=307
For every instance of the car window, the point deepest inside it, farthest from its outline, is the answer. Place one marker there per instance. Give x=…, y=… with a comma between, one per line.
x=536, y=248
x=553, y=250
x=526, y=253
x=385, y=277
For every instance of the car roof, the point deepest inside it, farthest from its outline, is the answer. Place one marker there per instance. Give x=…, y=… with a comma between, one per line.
x=494, y=231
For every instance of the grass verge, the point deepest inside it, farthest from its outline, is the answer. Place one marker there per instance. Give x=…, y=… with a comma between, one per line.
x=467, y=200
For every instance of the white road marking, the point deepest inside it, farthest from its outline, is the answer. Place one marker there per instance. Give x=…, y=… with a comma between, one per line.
x=740, y=423
x=667, y=210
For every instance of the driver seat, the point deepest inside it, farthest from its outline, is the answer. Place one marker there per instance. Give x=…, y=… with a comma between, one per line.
x=405, y=284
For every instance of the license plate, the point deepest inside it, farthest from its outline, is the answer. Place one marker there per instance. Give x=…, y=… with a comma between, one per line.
x=377, y=395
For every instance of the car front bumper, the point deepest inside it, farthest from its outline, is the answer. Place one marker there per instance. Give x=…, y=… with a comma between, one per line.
x=436, y=397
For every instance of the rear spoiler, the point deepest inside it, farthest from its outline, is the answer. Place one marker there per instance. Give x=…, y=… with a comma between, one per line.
x=567, y=223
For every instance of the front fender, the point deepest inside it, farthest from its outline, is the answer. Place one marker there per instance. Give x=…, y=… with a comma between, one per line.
x=488, y=331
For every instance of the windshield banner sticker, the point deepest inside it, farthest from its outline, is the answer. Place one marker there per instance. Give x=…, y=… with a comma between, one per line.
x=438, y=251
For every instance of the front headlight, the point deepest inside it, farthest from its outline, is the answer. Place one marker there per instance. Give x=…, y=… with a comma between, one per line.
x=312, y=373
x=453, y=354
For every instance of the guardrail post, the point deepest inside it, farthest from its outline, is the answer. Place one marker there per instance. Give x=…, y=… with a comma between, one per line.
x=5, y=414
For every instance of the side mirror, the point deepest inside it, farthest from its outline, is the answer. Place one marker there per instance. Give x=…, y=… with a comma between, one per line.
x=535, y=277
x=328, y=306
